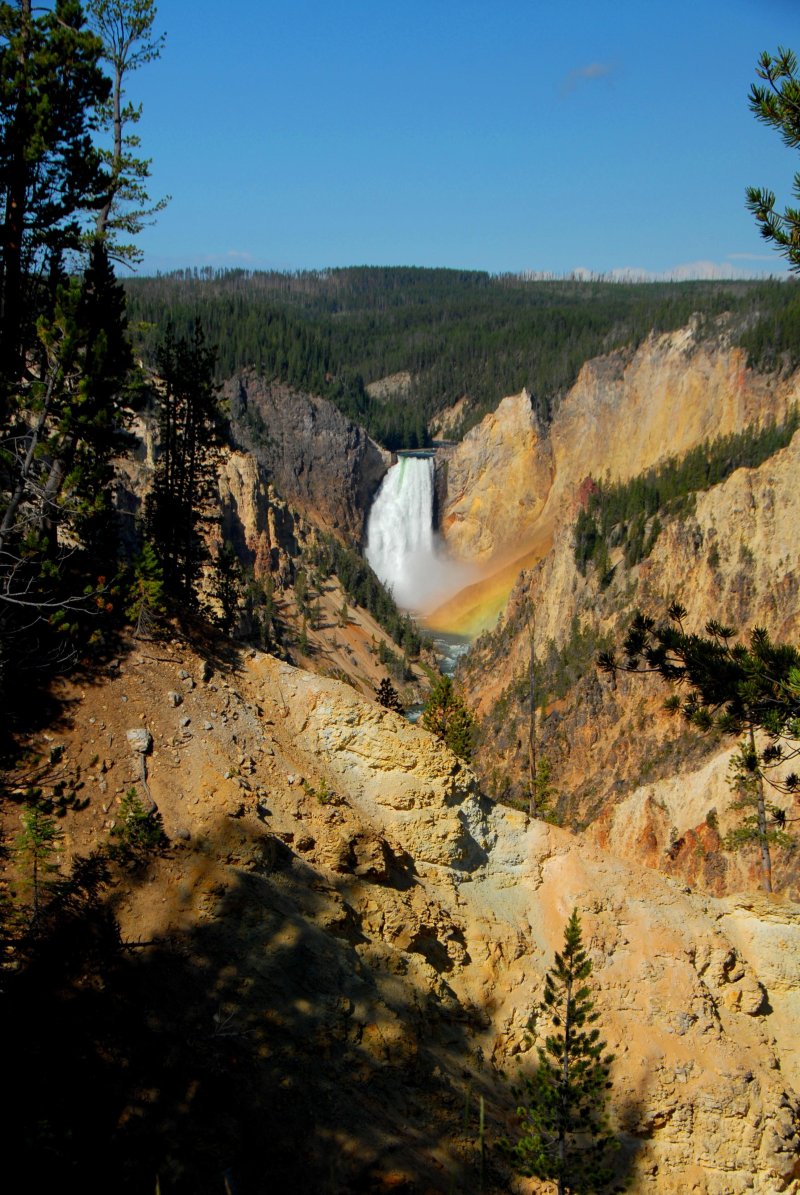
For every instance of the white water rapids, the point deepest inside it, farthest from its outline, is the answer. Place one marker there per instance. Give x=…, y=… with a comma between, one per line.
x=402, y=546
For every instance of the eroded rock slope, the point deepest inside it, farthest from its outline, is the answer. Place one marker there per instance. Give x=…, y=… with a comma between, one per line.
x=369, y=934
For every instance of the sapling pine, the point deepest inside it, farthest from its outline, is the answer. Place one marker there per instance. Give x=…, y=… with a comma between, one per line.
x=565, y=1133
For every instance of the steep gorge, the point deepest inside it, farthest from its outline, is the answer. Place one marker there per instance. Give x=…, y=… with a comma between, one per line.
x=642, y=782
x=318, y=460
x=347, y=936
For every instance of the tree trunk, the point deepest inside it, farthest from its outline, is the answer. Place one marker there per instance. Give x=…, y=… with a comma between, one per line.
x=562, y=1128
x=104, y=213
x=532, y=802
x=763, y=839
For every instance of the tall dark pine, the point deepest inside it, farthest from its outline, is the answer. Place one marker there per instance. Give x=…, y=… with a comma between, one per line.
x=95, y=416
x=68, y=418
x=56, y=515
x=189, y=434
x=125, y=28
x=775, y=101
x=50, y=173
x=565, y=1133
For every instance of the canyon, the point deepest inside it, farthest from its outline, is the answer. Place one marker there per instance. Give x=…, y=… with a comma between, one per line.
x=642, y=792
x=348, y=935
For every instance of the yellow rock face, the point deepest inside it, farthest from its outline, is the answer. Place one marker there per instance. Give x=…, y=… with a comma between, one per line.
x=507, y=482
x=498, y=479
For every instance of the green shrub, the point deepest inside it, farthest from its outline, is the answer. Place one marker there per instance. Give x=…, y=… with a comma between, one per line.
x=138, y=833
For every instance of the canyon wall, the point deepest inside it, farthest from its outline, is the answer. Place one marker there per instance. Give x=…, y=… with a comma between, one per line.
x=319, y=462
x=497, y=481
x=647, y=787
x=510, y=480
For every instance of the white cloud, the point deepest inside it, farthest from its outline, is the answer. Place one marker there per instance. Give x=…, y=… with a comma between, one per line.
x=586, y=74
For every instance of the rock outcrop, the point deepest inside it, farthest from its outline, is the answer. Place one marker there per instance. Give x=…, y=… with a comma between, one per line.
x=254, y=520
x=626, y=412
x=318, y=461
x=375, y=933
x=498, y=480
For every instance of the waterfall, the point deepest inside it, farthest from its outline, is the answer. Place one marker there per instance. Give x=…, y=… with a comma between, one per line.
x=402, y=547
x=400, y=527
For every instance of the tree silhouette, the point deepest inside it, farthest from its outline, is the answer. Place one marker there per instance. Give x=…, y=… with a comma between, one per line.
x=125, y=29
x=51, y=87
x=387, y=696
x=776, y=102
x=185, y=476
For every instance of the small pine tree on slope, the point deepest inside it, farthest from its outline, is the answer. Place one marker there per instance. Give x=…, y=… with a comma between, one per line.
x=562, y=1106
x=446, y=716
x=736, y=689
x=387, y=696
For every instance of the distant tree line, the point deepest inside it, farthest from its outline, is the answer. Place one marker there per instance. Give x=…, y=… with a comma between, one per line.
x=457, y=333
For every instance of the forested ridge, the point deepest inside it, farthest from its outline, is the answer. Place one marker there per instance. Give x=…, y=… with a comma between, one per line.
x=457, y=333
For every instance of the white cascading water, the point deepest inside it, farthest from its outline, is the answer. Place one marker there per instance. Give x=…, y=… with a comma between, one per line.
x=400, y=527
x=401, y=544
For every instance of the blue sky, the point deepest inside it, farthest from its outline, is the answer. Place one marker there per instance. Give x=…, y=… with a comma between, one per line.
x=467, y=133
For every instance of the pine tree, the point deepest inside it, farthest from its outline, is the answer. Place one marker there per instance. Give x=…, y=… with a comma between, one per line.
x=446, y=716
x=36, y=846
x=85, y=430
x=146, y=594
x=57, y=542
x=387, y=696
x=227, y=587
x=138, y=833
x=776, y=102
x=125, y=29
x=189, y=434
x=562, y=1110
x=51, y=88
x=542, y=793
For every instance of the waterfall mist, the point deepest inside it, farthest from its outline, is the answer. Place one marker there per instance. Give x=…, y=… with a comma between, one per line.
x=402, y=547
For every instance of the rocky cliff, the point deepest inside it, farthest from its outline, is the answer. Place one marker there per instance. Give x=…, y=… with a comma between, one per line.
x=317, y=460
x=498, y=480
x=650, y=789
x=509, y=480
x=352, y=940
x=275, y=540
